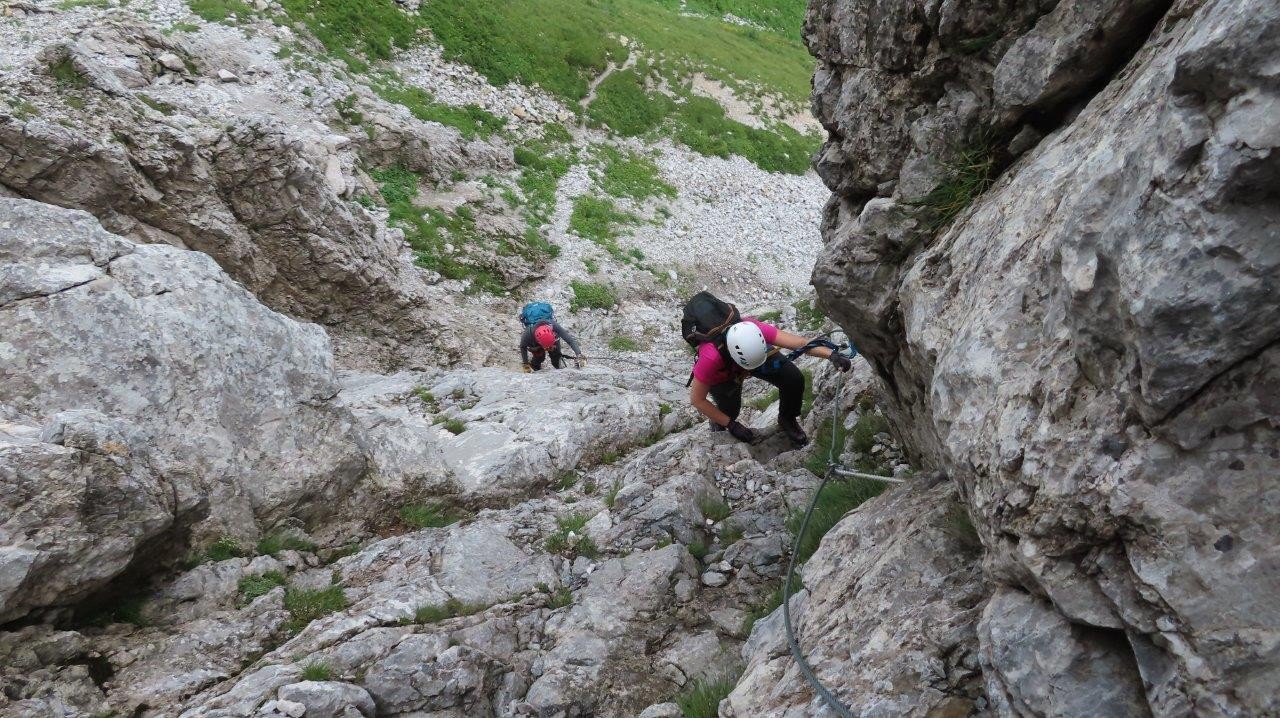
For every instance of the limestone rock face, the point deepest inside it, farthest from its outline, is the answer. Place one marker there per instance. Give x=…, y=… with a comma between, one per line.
x=77, y=509
x=1088, y=348
x=888, y=623
x=152, y=387
x=270, y=201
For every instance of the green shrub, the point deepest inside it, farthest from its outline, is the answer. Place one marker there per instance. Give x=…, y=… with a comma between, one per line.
x=589, y=295
x=702, y=698
x=621, y=343
x=219, y=10
x=308, y=604
x=66, y=74
x=699, y=550
x=316, y=672
x=611, y=496
x=355, y=30
x=623, y=104
x=566, y=480
x=597, y=219
x=836, y=499
x=225, y=548
x=627, y=174
x=252, y=587
x=429, y=516
x=704, y=127
x=455, y=426
x=590, y=265
x=808, y=317
x=471, y=120
x=713, y=507
x=664, y=409
x=558, y=542
x=864, y=431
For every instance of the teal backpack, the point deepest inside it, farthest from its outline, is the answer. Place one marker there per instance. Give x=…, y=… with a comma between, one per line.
x=535, y=313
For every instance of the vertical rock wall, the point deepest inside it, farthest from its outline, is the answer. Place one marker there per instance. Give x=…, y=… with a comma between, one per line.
x=1089, y=348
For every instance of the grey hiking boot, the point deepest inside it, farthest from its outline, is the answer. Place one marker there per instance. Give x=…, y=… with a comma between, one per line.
x=792, y=429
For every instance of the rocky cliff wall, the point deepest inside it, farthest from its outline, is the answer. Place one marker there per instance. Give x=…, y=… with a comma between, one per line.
x=244, y=179
x=1087, y=348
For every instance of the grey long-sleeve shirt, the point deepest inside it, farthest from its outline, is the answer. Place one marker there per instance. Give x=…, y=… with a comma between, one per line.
x=527, y=341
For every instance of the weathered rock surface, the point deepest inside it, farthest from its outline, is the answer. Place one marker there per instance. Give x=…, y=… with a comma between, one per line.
x=214, y=403
x=268, y=199
x=77, y=510
x=1089, y=349
x=889, y=620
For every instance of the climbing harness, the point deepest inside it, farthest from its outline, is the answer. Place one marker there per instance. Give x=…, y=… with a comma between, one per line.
x=833, y=469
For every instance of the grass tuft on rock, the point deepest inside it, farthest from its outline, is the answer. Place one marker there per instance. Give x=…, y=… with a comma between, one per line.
x=558, y=598
x=713, y=507
x=836, y=499
x=225, y=548
x=702, y=698
x=452, y=608
x=590, y=295
x=578, y=545
x=970, y=171
x=316, y=671
x=251, y=587
x=623, y=343
x=307, y=604
x=274, y=543
x=429, y=516
x=765, y=400
x=762, y=610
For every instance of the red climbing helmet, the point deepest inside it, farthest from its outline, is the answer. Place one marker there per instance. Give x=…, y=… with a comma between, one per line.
x=545, y=336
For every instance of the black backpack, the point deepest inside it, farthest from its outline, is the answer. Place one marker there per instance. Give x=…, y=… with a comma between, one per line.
x=706, y=319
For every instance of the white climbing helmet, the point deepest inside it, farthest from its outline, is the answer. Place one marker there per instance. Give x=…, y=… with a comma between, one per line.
x=747, y=345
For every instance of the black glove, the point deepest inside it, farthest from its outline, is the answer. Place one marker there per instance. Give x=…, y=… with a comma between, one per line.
x=840, y=361
x=741, y=433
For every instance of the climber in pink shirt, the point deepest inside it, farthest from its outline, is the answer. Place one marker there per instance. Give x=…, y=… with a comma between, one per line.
x=749, y=349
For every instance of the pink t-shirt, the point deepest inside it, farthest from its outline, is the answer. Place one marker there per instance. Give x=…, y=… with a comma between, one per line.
x=710, y=368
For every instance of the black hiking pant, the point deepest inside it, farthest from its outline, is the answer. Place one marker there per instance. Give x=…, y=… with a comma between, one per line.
x=537, y=355
x=781, y=373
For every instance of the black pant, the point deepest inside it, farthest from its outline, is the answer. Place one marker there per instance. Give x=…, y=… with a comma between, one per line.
x=785, y=375
x=538, y=354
